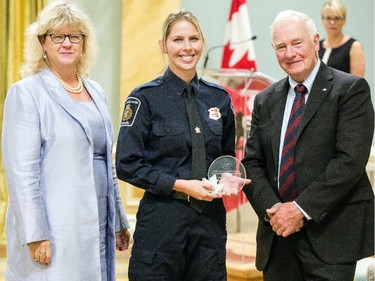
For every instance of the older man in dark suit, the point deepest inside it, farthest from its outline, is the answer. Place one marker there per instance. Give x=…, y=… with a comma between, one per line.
x=310, y=140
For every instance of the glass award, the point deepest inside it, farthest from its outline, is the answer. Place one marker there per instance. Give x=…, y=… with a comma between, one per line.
x=227, y=174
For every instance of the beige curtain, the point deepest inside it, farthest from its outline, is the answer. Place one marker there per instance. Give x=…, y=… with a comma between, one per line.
x=15, y=15
x=141, y=60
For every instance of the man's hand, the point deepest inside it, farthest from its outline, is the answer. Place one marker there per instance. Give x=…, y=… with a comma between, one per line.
x=285, y=218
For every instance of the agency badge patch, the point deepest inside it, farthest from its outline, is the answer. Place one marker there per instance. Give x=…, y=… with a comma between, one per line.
x=214, y=113
x=129, y=114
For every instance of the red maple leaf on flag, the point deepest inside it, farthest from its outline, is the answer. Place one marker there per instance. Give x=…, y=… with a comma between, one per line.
x=239, y=48
x=238, y=54
x=239, y=76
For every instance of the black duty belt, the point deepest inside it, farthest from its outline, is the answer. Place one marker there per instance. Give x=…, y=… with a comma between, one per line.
x=198, y=205
x=181, y=196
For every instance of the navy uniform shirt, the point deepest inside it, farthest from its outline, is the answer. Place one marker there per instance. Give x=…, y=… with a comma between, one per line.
x=154, y=142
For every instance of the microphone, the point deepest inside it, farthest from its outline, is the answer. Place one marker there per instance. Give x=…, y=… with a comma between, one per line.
x=222, y=46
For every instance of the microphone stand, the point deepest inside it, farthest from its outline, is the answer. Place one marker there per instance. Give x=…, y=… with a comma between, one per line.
x=222, y=46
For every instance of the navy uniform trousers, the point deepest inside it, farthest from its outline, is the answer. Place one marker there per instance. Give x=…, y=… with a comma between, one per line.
x=179, y=247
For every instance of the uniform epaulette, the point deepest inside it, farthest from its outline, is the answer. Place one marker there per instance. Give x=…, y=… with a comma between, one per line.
x=152, y=83
x=212, y=84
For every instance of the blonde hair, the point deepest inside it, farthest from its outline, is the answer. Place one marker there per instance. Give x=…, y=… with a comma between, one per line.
x=178, y=15
x=336, y=5
x=57, y=15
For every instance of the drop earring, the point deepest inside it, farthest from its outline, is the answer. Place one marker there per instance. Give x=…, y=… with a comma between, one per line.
x=44, y=55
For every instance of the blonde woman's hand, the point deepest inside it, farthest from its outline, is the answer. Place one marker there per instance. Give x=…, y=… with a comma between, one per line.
x=195, y=188
x=40, y=251
x=122, y=240
x=232, y=184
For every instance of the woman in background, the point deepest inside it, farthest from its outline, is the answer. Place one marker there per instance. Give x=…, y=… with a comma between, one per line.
x=339, y=50
x=65, y=216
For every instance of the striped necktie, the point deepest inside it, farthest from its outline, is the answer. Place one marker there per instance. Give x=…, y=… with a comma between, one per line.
x=287, y=178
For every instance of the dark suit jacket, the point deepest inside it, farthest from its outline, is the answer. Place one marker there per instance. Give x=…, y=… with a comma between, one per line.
x=332, y=150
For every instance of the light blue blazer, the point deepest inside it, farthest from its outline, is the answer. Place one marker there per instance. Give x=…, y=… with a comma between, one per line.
x=47, y=152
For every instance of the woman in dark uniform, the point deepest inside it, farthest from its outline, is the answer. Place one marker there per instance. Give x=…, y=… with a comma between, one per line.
x=180, y=232
x=339, y=50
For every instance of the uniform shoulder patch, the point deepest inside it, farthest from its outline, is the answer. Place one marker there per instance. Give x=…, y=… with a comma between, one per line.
x=131, y=108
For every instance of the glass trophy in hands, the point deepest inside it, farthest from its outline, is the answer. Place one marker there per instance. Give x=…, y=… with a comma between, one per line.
x=228, y=175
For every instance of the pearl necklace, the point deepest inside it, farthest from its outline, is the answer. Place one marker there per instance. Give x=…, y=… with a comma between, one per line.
x=76, y=90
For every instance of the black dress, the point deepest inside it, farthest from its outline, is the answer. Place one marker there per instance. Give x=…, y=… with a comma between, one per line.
x=339, y=58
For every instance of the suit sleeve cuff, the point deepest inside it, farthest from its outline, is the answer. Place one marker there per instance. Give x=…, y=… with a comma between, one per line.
x=306, y=215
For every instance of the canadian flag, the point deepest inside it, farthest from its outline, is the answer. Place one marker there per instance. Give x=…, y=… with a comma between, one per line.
x=239, y=48
x=238, y=54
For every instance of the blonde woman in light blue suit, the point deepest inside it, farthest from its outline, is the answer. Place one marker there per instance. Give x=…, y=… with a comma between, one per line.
x=65, y=216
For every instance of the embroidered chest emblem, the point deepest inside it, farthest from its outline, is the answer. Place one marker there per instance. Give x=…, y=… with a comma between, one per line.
x=214, y=113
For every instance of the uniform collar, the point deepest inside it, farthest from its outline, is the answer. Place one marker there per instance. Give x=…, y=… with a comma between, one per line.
x=177, y=83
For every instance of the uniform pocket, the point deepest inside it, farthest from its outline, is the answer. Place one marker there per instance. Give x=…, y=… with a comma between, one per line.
x=152, y=266
x=143, y=256
x=213, y=137
x=167, y=134
x=163, y=129
x=216, y=129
